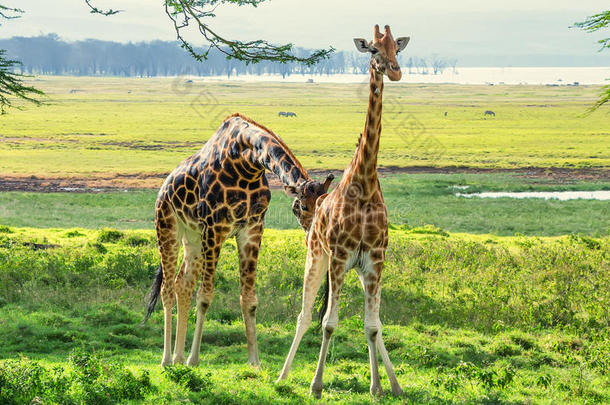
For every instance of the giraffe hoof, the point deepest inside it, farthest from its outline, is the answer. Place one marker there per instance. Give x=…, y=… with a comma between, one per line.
x=166, y=362
x=316, y=391
x=178, y=360
x=376, y=391
x=397, y=391
x=192, y=362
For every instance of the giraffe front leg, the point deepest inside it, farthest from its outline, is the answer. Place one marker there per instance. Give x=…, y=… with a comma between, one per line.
x=205, y=294
x=331, y=319
x=248, y=245
x=316, y=266
x=370, y=277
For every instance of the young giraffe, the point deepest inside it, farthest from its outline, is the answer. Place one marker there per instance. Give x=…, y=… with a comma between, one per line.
x=350, y=228
x=219, y=192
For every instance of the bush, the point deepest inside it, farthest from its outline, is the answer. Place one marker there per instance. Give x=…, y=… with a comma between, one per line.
x=5, y=229
x=188, y=377
x=109, y=236
x=89, y=379
x=96, y=381
x=136, y=240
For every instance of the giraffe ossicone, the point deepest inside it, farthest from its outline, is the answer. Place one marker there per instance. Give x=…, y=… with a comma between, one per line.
x=350, y=229
x=219, y=192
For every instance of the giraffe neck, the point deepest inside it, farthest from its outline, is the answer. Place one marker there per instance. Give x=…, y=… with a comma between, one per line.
x=363, y=168
x=266, y=150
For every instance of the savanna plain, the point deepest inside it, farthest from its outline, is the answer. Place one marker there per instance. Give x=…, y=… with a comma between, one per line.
x=483, y=300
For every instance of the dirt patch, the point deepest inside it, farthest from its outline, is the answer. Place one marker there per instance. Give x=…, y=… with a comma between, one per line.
x=115, y=182
x=98, y=184
x=549, y=173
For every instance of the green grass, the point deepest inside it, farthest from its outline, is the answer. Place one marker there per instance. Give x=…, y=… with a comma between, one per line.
x=135, y=126
x=468, y=319
x=470, y=316
x=413, y=200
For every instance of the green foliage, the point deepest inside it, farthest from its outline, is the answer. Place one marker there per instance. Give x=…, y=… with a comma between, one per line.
x=11, y=83
x=596, y=23
x=194, y=13
x=455, y=378
x=190, y=378
x=520, y=318
x=95, y=380
x=5, y=229
x=23, y=380
x=95, y=10
x=109, y=236
x=12, y=86
x=87, y=379
x=522, y=282
x=74, y=234
x=185, y=13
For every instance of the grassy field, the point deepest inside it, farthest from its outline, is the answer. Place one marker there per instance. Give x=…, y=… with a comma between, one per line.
x=413, y=200
x=483, y=301
x=104, y=126
x=470, y=319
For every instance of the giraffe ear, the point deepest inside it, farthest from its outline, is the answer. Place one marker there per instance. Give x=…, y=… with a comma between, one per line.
x=329, y=179
x=362, y=45
x=401, y=43
x=292, y=191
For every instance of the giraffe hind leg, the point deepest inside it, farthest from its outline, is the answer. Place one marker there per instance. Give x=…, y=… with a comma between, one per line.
x=205, y=295
x=248, y=246
x=185, y=285
x=207, y=261
x=167, y=237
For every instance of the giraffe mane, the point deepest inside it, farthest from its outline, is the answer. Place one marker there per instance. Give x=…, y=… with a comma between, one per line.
x=276, y=137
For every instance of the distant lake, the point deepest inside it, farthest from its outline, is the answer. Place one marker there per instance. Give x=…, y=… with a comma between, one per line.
x=465, y=75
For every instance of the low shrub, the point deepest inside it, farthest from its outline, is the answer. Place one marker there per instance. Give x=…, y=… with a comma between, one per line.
x=188, y=377
x=109, y=235
x=88, y=379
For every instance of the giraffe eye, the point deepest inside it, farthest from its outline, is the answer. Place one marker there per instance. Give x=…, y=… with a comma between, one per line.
x=303, y=207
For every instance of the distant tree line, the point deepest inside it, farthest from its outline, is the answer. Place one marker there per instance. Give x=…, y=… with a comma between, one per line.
x=49, y=55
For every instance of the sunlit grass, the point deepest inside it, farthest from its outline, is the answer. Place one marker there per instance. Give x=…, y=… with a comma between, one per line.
x=114, y=125
x=467, y=319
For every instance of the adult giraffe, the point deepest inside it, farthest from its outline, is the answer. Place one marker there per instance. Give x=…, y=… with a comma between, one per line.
x=350, y=228
x=219, y=192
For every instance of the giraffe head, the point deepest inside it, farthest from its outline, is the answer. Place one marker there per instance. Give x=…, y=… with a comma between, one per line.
x=306, y=194
x=383, y=49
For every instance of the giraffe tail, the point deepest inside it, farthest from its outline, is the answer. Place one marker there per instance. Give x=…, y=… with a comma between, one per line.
x=154, y=294
x=324, y=307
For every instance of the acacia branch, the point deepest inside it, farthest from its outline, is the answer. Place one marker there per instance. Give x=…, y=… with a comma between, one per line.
x=185, y=13
x=95, y=10
x=595, y=23
x=11, y=83
x=5, y=12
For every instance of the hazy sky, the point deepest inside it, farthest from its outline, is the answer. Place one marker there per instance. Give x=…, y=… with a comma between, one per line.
x=501, y=31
